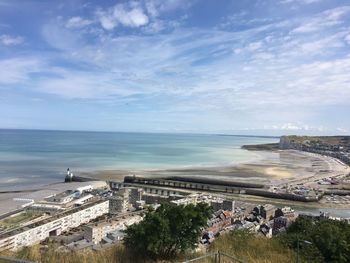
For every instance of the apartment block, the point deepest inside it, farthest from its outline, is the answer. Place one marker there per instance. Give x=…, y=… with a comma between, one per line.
x=53, y=226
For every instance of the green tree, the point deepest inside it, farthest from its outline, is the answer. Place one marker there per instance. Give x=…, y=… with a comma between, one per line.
x=168, y=230
x=330, y=239
x=333, y=239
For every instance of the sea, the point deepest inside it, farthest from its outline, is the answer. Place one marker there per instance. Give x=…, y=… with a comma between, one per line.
x=38, y=157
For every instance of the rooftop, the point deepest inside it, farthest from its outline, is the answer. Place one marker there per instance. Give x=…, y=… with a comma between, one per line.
x=50, y=219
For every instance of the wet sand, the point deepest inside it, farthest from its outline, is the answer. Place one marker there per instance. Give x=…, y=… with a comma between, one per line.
x=273, y=168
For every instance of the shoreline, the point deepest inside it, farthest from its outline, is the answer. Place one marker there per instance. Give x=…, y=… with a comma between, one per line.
x=278, y=167
x=271, y=168
x=292, y=167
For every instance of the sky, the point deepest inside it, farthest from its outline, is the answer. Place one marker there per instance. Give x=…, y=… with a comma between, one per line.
x=266, y=67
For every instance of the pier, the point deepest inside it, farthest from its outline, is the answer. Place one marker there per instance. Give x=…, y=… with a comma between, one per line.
x=213, y=185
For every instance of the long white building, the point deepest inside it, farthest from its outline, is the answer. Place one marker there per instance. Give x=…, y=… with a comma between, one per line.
x=53, y=226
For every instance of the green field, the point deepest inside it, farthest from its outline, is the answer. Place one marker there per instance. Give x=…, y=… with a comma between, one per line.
x=331, y=140
x=18, y=219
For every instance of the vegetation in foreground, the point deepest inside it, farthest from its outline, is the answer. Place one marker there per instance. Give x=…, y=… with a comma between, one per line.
x=319, y=241
x=168, y=231
x=170, y=234
x=115, y=254
x=253, y=249
x=241, y=244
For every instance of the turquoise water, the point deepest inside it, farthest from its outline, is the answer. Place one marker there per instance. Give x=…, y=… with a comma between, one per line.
x=29, y=157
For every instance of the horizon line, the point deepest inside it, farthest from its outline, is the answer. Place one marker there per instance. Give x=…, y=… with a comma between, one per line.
x=146, y=132
x=166, y=132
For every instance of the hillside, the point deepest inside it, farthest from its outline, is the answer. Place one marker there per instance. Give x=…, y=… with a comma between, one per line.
x=328, y=241
x=320, y=142
x=245, y=246
x=261, y=147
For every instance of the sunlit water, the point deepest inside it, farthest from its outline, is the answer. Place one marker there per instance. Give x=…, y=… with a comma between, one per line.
x=29, y=157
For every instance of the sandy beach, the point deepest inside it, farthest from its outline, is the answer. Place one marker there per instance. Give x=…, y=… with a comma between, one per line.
x=278, y=167
x=273, y=168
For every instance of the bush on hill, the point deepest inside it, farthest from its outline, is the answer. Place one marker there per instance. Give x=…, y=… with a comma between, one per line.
x=168, y=230
x=330, y=240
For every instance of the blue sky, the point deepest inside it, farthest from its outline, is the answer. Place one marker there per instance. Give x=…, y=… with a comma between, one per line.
x=248, y=66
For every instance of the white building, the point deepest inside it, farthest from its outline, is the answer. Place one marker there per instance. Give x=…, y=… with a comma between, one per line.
x=52, y=226
x=96, y=232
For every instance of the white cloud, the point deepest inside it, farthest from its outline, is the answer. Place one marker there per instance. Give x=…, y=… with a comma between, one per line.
x=336, y=13
x=152, y=8
x=262, y=72
x=62, y=38
x=133, y=17
x=311, y=1
x=107, y=22
x=17, y=70
x=342, y=130
x=323, y=44
x=141, y=14
x=156, y=7
x=347, y=39
x=326, y=19
x=133, y=65
x=156, y=26
x=8, y=40
x=290, y=126
x=129, y=15
x=77, y=22
x=294, y=127
x=299, y=1
x=82, y=85
x=255, y=46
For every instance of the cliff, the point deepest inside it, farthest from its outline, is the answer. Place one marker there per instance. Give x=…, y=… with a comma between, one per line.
x=334, y=146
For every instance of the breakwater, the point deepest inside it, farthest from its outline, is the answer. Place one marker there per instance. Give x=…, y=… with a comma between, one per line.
x=336, y=192
x=285, y=196
x=75, y=178
x=202, y=186
x=215, y=182
x=213, y=185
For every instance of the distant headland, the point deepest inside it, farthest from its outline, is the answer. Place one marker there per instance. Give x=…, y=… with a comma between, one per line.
x=333, y=146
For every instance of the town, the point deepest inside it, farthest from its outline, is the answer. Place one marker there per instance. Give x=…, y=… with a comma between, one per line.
x=334, y=146
x=94, y=215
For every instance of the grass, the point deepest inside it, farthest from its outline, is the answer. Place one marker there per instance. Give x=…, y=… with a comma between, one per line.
x=18, y=219
x=115, y=254
x=336, y=140
x=242, y=245
x=262, y=147
x=35, y=253
x=252, y=249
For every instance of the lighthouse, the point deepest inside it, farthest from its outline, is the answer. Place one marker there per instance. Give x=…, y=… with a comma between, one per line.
x=69, y=176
